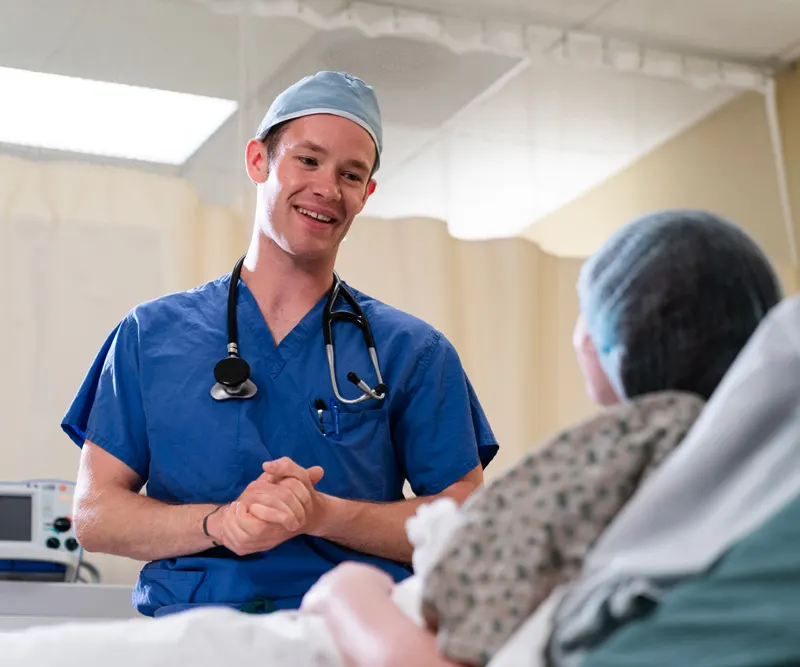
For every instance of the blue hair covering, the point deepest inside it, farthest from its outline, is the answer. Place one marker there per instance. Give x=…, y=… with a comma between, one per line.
x=670, y=300
x=336, y=93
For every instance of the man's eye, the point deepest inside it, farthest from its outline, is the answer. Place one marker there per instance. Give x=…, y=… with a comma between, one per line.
x=308, y=161
x=352, y=177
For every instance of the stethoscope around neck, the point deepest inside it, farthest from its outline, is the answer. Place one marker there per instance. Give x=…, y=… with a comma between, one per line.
x=232, y=373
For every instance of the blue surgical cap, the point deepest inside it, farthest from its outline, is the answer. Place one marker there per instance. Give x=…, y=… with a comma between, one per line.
x=336, y=93
x=670, y=300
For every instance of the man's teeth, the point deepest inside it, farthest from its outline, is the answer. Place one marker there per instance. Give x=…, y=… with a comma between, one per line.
x=316, y=216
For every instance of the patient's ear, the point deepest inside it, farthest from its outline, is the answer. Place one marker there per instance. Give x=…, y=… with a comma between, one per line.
x=598, y=386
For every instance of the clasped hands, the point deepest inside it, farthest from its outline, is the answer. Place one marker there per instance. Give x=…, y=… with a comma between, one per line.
x=281, y=503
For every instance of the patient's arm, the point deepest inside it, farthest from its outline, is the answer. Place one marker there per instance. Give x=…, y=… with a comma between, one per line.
x=369, y=629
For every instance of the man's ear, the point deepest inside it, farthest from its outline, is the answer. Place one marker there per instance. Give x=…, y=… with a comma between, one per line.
x=370, y=189
x=367, y=192
x=256, y=161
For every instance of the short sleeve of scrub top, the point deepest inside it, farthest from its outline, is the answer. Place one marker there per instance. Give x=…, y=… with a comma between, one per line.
x=439, y=421
x=108, y=408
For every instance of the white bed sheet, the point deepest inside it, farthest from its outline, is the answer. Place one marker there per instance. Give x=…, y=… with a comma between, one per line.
x=214, y=636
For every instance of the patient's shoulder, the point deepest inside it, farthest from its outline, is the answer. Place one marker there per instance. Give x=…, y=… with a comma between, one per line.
x=655, y=410
x=625, y=441
x=632, y=420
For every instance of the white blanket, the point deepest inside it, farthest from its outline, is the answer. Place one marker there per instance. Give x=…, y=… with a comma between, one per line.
x=209, y=637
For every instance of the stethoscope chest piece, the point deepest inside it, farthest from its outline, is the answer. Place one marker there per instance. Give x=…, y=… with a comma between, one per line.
x=233, y=378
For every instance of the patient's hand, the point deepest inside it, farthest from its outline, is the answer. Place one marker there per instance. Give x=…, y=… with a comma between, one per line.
x=368, y=628
x=348, y=581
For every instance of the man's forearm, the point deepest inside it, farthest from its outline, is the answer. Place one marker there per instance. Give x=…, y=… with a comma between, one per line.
x=378, y=528
x=125, y=523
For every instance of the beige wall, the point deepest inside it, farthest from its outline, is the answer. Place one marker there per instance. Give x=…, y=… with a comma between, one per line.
x=565, y=398
x=789, y=113
x=725, y=163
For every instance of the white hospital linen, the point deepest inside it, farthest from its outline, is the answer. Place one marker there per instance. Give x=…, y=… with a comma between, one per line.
x=214, y=636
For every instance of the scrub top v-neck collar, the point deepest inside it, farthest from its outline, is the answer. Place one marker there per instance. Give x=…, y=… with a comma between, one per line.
x=296, y=340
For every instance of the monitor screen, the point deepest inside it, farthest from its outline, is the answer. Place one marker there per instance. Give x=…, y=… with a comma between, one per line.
x=15, y=518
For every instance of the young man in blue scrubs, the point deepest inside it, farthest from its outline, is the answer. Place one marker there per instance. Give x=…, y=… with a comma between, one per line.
x=250, y=501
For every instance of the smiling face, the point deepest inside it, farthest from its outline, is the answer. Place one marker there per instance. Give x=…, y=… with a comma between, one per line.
x=313, y=186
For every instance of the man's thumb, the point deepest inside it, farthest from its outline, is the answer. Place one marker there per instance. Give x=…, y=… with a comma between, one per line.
x=315, y=474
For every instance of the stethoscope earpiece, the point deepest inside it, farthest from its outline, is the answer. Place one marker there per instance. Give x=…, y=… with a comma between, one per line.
x=378, y=392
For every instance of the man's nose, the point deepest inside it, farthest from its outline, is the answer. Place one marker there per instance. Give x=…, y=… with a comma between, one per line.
x=326, y=185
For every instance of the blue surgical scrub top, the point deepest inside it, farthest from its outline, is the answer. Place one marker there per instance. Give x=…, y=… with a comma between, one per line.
x=146, y=401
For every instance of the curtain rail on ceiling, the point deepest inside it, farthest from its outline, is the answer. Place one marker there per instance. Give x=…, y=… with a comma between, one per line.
x=531, y=42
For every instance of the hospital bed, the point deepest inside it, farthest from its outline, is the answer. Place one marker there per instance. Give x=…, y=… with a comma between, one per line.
x=24, y=604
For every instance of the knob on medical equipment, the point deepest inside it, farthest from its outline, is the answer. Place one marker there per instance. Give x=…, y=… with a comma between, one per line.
x=62, y=524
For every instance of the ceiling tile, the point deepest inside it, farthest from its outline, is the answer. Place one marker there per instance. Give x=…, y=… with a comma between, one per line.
x=174, y=46
x=419, y=84
x=560, y=107
x=544, y=139
x=551, y=12
x=736, y=27
x=31, y=31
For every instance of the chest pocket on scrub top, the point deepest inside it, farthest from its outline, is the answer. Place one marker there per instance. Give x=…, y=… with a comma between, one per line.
x=355, y=450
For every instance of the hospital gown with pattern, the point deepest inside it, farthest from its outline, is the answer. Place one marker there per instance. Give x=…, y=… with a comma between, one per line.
x=528, y=532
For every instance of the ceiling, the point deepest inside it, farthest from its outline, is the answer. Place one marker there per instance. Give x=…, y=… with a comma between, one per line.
x=477, y=132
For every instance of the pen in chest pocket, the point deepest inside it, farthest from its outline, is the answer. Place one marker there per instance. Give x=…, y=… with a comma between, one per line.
x=335, y=412
x=321, y=408
x=319, y=404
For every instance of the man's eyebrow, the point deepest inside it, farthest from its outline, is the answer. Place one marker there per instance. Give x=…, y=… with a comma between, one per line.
x=358, y=164
x=310, y=145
